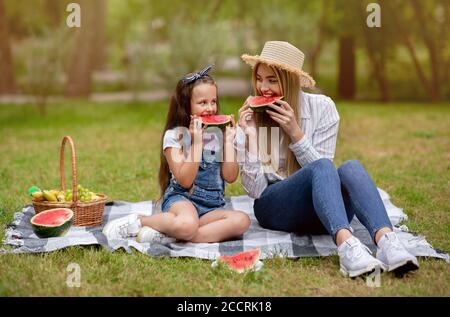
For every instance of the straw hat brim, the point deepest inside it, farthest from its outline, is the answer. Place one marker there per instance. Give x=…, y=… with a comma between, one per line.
x=306, y=80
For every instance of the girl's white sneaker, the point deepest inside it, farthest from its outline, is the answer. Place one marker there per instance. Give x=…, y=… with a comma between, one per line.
x=123, y=227
x=147, y=234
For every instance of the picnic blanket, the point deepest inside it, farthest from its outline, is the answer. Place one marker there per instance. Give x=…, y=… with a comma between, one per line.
x=20, y=236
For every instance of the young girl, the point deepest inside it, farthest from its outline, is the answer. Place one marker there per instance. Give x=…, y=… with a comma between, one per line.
x=191, y=178
x=303, y=191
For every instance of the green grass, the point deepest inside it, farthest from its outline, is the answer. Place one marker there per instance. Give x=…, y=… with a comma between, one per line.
x=404, y=146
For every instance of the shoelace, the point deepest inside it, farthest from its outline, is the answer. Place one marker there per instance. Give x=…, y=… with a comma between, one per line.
x=159, y=236
x=394, y=243
x=123, y=230
x=356, y=251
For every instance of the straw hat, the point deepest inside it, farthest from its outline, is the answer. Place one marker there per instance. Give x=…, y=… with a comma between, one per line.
x=284, y=56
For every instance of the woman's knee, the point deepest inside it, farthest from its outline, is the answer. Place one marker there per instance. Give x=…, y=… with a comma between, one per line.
x=322, y=163
x=350, y=166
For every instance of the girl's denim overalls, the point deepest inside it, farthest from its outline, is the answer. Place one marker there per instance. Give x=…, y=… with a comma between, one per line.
x=207, y=192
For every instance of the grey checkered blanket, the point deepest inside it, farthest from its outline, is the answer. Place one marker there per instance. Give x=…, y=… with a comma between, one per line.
x=20, y=236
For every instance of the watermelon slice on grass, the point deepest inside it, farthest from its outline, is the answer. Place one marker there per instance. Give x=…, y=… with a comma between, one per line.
x=52, y=223
x=261, y=103
x=219, y=120
x=241, y=262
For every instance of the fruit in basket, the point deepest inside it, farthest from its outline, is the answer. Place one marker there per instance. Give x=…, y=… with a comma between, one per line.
x=84, y=194
x=36, y=193
x=52, y=223
x=61, y=196
x=38, y=196
x=50, y=195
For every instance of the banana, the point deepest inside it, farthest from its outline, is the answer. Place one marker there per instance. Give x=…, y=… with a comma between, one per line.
x=50, y=195
x=61, y=196
x=38, y=196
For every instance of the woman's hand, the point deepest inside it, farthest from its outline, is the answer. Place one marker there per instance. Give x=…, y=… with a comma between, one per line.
x=283, y=114
x=246, y=118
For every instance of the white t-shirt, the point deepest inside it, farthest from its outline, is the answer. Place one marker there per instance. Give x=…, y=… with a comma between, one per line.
x=179, y=137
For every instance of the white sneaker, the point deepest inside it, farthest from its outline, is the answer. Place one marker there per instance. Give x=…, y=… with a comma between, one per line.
x=147, y=234
x=355, y=258
x=394, y=255
x=122, y=228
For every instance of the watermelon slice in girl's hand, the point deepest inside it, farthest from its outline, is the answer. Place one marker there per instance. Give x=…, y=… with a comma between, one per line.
x=261, y=103
x=218, y=120
x=241, y=262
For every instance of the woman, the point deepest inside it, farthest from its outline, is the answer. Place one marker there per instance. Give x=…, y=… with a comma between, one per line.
x=296, y=187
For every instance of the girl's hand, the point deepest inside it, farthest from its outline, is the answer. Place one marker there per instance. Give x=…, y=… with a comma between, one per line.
x=246, y=118
x=283, y=114
x=230, y=131
x=196, y=130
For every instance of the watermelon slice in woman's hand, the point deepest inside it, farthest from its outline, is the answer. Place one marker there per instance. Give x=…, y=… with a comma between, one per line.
x=219, y=120
x=261, y=103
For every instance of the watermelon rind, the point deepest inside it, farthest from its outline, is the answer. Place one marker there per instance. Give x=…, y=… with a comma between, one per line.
x=48, y=231
x=221, y=124
x=241, y=262
x=264, y=106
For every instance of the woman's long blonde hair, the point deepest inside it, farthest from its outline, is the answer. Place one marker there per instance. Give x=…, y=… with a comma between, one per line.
x=290, y=89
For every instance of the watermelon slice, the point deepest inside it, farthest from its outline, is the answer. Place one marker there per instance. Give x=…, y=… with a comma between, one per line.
x=261, y=103
x=219, y=120
x=52, y=223
x=243, y=261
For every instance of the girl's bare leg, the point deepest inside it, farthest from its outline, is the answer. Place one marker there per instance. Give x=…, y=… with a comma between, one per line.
x=180, y=222
x=220, y=225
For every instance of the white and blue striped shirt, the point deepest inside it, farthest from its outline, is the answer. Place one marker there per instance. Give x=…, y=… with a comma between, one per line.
x=319, y=123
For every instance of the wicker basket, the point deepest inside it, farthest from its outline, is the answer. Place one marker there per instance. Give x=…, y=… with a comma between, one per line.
x=85, y=213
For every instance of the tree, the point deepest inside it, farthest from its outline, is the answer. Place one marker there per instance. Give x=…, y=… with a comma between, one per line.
x=426, y=27
x=346, y=15
x=347, y=67
x=84, y=55
x=321, y=36
x=7, y=80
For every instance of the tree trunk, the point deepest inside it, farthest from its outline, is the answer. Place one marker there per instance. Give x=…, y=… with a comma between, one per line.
x=433, y=51
x=346, y=75
x=377, y=60
x=315, y=52
x=7, y=80
x=55, y=11
x=99, y=57
x=82, y=63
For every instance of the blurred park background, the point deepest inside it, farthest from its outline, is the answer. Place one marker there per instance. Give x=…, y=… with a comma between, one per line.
x=137, y=49
x=106, y=84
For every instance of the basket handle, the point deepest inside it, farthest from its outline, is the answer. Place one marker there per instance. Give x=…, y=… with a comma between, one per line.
x=74, y=168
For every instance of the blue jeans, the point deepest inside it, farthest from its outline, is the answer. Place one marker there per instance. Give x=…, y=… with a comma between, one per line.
x=319, y=198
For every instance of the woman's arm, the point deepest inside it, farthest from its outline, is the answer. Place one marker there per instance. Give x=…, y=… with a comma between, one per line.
x=322, y=143
x=252, y=174
x=229, y=167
